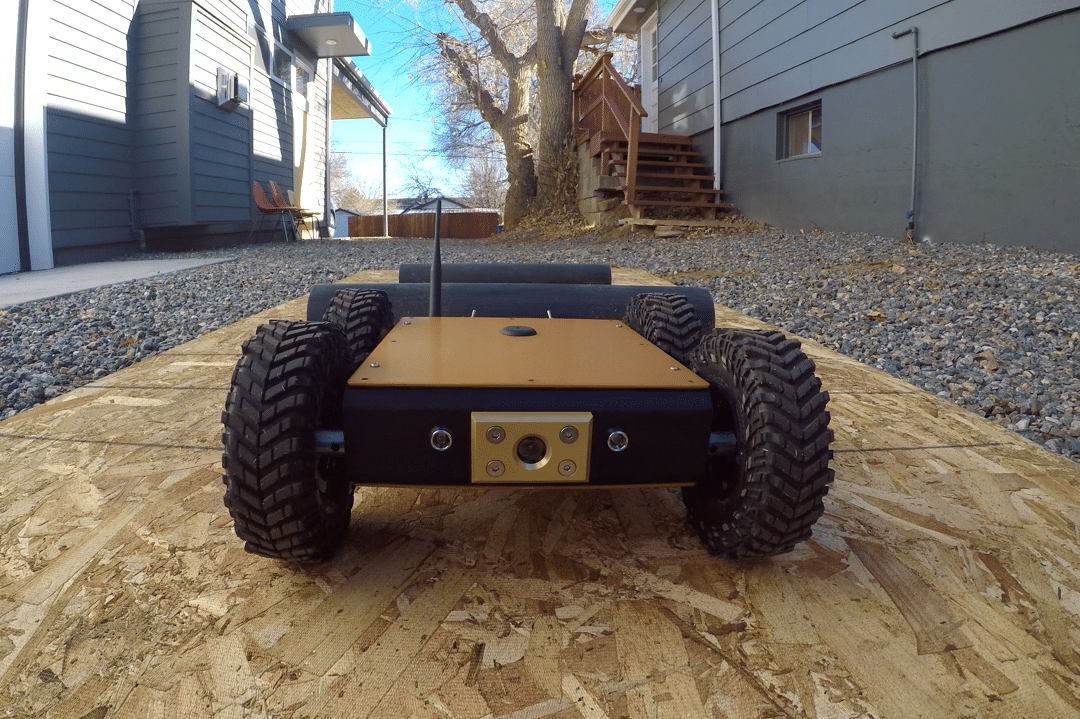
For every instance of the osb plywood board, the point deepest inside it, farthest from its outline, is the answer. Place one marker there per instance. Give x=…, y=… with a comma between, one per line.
x=942, y=581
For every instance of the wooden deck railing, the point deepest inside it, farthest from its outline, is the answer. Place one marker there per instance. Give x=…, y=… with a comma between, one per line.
x=605, y=108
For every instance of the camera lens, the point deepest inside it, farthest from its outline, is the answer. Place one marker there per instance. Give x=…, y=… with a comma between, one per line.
x=531, y=449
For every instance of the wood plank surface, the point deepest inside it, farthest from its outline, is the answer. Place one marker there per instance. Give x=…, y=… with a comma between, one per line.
x=943, y=580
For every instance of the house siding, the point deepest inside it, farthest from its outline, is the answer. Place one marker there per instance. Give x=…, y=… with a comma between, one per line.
x=220, y=139
x=89, y=148
x=158, y=77
x=684, y=43
x=774, y=50
x=135, y=137
x=999, y=147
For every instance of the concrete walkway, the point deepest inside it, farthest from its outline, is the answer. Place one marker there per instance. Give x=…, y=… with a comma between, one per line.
x=28, y=286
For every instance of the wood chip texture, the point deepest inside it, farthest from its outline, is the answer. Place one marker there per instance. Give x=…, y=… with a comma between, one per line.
x=942, y=581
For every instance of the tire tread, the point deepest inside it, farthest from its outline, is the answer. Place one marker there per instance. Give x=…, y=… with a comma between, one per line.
x=287, y=382
x=783, y=463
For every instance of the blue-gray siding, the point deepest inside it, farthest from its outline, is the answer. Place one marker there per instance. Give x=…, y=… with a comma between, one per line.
x=158, y=78
x=220, y=139
x=88, y=143
x=684, y=44
x=999, y=147
x=775, y=50
x=132, y=109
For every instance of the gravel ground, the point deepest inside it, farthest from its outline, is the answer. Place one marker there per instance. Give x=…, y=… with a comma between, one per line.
x=996, y=330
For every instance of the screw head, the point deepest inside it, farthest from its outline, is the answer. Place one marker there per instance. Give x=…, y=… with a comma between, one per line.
x=568, y=434
x=495, y=468
x=496, y=434
x=567, y=467
x=374, y=364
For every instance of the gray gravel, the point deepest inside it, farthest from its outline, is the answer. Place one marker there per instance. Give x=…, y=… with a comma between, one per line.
x=994, y=329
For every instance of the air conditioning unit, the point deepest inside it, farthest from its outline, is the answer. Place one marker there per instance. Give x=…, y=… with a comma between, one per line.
x=232, y=90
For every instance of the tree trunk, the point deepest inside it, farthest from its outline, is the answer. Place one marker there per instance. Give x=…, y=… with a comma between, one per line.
x=521, y=193
x=558, y=41
x=520, y=168
x=509, y=124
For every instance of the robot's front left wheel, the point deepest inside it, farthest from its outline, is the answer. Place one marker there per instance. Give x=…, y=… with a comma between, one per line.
x=286, y=500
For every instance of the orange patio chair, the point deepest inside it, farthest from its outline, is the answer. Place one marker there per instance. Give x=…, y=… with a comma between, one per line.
x=300, y=215
x=267, y=208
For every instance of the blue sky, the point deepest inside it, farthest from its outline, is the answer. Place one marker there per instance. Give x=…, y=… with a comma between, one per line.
x=390, y=69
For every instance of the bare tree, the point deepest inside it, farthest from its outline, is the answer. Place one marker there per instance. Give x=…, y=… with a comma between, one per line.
x=509, y=63
x=560, y=30
x=419, y=182
x=352, y=193
x=342, y=179
x=493, y=67
x=485, y=181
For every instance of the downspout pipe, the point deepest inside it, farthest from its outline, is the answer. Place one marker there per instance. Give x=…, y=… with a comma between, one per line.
x=328, y=209
x=914, y=32
x=22, y=222
x=385, y=214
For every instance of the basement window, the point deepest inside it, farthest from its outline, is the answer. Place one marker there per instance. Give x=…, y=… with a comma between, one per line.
x=800, y=132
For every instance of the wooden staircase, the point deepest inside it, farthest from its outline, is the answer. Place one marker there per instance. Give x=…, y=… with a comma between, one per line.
x=670, y=185
x=660, y=177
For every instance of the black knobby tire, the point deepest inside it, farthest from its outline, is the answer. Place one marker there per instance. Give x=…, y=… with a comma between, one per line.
x=365, y=316
x=667, y=320
x=287, y=501
x=765, y=499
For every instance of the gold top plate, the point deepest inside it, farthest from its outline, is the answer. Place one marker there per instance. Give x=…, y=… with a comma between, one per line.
x=564, y=353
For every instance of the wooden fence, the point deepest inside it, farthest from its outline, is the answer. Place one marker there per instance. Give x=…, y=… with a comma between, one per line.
x=455, y=225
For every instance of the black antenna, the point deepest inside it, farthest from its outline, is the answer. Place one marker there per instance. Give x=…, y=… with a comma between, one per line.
x=435, y=303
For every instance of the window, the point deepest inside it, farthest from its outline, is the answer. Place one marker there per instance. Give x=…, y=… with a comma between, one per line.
x=283, y=65
x=800, y=132
x=303, y=79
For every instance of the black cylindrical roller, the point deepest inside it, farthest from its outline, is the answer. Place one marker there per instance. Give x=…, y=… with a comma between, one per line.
x=517, y=300
x=526, y=272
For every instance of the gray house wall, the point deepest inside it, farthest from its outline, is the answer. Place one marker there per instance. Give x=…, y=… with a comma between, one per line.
x=221, y=154
x=775, y=50
x=862, y=179
x=138, y=147
x=89, y=148
x=999, y=146
x=684, y=63
x=158, y=76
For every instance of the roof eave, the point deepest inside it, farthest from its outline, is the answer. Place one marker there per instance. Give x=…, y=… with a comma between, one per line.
x=353, y=97
x=627, y=15
x=329, y=34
